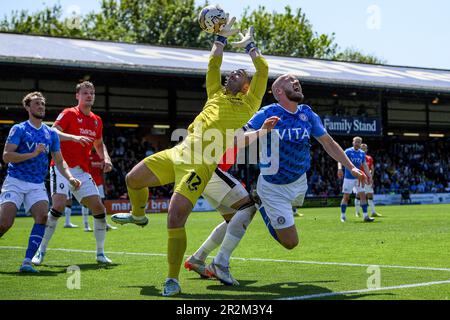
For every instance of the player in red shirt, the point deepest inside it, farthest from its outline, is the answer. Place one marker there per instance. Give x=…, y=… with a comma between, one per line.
x=79, y=130
x=96, y=166
x=368, y=189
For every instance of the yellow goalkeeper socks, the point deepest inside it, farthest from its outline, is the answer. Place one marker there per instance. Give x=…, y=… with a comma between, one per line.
x=176, y=246
x=138, y=199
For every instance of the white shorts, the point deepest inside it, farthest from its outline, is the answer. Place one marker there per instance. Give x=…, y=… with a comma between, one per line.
x=21, y=192
x=223, y=190
x=278, y=199
x=367, y=189
x=60, y=185
x=101, y=191
x=351, y=185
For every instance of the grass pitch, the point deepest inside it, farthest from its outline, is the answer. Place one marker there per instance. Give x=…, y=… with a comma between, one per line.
x=409, y=244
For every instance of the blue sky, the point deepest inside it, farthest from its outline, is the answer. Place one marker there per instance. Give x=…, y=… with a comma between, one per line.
x=410, y=33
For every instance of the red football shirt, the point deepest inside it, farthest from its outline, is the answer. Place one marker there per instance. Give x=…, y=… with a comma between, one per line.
x=73, y=121
x=369, y=161
x=95, y=168
x=228, y=159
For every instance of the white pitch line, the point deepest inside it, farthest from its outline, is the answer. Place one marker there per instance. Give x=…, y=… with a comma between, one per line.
x=331, y=294
x=345, y=264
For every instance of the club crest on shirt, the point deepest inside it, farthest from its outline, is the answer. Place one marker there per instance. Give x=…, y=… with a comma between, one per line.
x=303, y=117
x=80, y=120
x=96, y=123
x=47, y=135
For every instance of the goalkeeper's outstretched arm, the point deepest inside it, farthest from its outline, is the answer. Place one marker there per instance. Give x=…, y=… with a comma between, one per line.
x=213, y=78
x=259, y=81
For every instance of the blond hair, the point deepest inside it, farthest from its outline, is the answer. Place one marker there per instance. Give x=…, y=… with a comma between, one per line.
x=31, y=96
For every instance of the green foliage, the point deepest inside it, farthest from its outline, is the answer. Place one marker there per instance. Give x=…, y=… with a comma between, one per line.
x=288, y=33
x=351, y=54
x=174, y=23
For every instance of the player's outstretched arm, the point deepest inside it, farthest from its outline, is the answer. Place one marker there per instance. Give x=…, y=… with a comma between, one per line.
x=84, y=141
x=10, y=154
x=64, y=169
x=246, y=138
x=335, y=151
x=213, y=78
x=259, y=81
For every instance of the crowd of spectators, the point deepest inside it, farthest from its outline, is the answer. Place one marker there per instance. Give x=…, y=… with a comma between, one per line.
x=417, y=167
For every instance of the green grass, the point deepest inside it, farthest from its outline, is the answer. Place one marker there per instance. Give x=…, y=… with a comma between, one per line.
x=417, y=236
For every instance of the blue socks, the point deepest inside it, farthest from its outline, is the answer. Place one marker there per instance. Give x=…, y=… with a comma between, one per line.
x=268, y=224
x=364, y=209
x=344, y=208
x=35, y=240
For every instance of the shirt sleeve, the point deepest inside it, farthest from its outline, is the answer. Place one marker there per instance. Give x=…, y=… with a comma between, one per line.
x=63, y=120
x=258, y=84
x=213, y=77
x=15, y=135
x=364, y=158
x=317, y=129
x=99, y=128
x=55, y=147
x=256, y=121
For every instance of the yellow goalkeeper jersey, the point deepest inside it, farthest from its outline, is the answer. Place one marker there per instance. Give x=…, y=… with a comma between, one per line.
x=225, y=113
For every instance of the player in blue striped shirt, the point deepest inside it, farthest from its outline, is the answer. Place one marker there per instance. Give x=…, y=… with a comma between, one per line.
x=26, y=153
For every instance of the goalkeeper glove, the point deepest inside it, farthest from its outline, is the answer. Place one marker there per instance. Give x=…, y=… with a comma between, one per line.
x=227, y=31
x=247, y=41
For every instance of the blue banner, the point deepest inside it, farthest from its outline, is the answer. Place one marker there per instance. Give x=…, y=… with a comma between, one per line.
x=352, y=126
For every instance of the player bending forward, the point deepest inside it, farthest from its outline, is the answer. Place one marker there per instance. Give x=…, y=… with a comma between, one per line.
x=26, y=152
x=79, y=129
x=287, y=187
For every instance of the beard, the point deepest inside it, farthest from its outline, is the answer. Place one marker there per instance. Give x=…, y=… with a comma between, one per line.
x=294, y=96
x=234, y=87
x=38, y=116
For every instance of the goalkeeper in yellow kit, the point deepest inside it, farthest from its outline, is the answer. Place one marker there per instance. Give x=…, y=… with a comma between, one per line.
x=188, y=165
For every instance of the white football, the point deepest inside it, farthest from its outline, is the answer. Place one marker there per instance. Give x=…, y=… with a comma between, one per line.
x=212, y=19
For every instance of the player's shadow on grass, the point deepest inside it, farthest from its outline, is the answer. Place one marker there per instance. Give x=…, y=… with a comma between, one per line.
x=86, y=266
x=41, y=273
x=247, y=291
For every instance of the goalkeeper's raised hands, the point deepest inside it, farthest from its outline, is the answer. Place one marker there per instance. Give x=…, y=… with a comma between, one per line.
x=247, y=41
x=227, y=30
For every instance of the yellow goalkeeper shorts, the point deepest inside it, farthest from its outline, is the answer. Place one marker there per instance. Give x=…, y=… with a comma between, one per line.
x=190, y=179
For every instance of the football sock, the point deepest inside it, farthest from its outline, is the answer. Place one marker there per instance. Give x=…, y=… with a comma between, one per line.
x=85, y=214
x=100, y=232
x=364, y=209
x=34, y=241
x=372, y=205
x=138, y=199
x=214, y=240
x=176, y=246
x=50, y=227
x=357, y=205
x=235, y=232
x=67, y=213
x=343, y=208
x=268, y=224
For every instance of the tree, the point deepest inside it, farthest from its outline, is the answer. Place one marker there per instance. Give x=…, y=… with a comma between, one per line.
x=174, y=23
x=351, y=54
x=288, y=34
